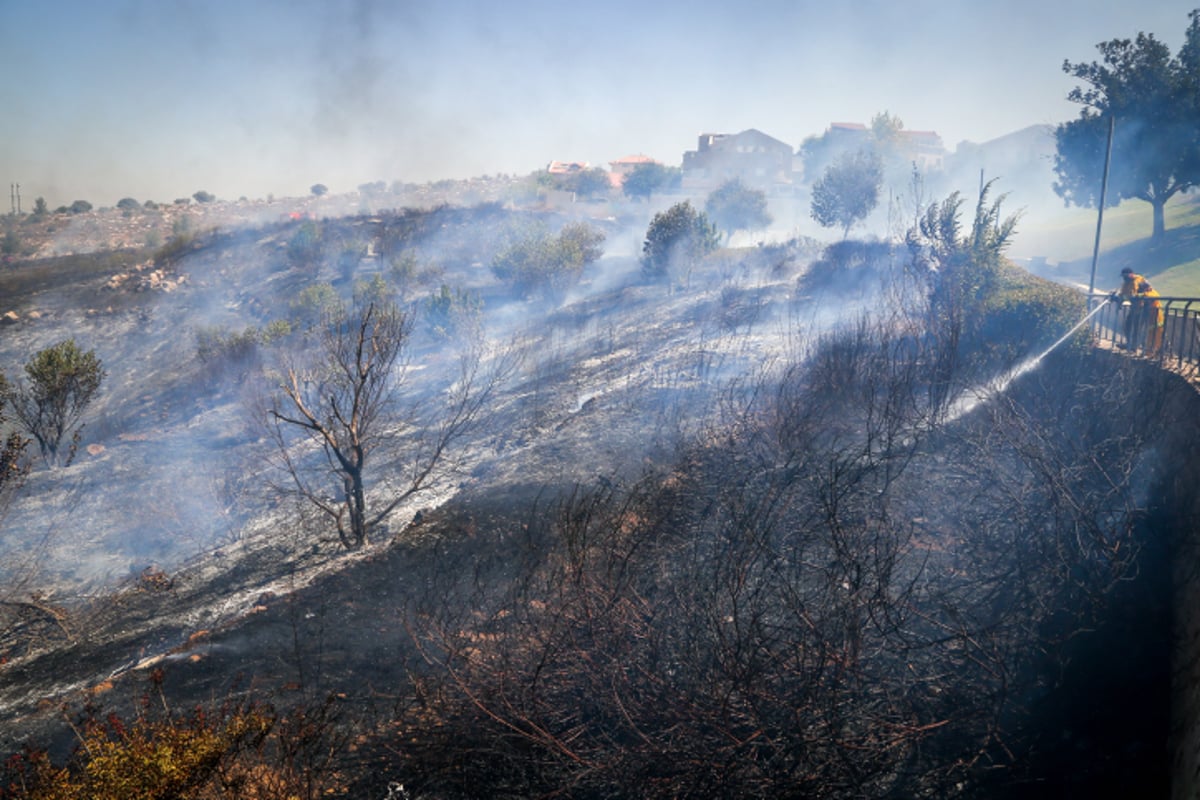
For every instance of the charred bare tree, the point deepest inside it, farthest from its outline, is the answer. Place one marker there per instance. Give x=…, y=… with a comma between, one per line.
x=341, y=412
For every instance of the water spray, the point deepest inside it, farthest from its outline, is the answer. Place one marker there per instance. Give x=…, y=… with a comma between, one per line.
x=971, y=398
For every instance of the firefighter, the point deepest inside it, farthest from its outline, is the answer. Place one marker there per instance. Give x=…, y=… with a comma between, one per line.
x=1145, y=312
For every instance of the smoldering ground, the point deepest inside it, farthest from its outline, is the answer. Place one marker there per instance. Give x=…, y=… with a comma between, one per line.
x=695, y=383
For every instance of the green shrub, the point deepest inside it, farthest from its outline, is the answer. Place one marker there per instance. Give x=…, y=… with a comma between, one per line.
x=450, y=310
x=306, y=247
x=311, y=303
x=220, y=346
x=275, y=330
x=541, y=261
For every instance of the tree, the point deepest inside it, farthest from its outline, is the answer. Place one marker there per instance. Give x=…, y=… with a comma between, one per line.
x=203, y=197
x=966, y=275
x=40, y=209
x=128, y=204
x=342, y=396
x=848, y=191
x=586, y=183
x=80, y=207
x=319, y=189
x=733, y=206
x=679, y=234
x=62, y=382
x=1155, y=102
x=646, y=179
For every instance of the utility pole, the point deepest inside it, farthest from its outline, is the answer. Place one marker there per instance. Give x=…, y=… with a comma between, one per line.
x=12, y=198
x=1112, y=122
x=18, y=199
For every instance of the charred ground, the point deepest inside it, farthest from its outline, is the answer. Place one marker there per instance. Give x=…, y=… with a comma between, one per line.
x=705, y=546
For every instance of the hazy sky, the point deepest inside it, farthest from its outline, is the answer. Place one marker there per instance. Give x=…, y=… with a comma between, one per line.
x=156, y=99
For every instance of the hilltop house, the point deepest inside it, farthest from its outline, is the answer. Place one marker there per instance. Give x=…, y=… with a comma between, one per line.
x=925, y=148
x=623, y=166
x=756, y=158
x=567, y=167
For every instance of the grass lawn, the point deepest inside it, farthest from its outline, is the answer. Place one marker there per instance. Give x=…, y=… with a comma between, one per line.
x=1173, y=264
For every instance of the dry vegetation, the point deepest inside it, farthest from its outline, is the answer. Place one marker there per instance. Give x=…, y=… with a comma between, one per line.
x=703, y=550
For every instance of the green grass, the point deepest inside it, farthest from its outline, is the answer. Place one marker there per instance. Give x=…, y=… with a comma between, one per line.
x=1172, y=264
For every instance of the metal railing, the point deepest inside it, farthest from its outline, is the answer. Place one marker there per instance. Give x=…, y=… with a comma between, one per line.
x=1133, y=326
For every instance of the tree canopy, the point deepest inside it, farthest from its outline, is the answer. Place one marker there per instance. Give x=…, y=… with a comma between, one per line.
x=1153, y=101
x=586, y=183
x=646, y=179
x=679, y=234
x=60, y=384
x=848, y=191
x=733, y=207
x=884, y=136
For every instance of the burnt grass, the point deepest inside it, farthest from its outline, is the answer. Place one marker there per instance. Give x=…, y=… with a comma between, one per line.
x=301, y=625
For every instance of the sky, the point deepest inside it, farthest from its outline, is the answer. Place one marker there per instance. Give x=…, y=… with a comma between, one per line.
x=158, y=99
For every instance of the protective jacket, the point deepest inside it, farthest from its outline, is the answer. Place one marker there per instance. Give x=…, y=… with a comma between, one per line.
x=1133, y=285
x=1146, y=317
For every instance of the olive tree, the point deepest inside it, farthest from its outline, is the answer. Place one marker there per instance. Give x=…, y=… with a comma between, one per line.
x=679, y=234
x=848, y=191
x=733, y=207
x=60, y=383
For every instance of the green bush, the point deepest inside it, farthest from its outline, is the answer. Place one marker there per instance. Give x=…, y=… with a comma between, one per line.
x=450, y=310
x=220, y=346
x=542, y=261
x=311, y=303
x=11, y=243
x=1022, y=317
x=306, y=247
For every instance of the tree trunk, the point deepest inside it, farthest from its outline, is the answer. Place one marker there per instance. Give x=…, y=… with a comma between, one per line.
x=1160, y=226
x=358, y=510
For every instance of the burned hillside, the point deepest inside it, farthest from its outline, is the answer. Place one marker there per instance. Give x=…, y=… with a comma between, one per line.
x=721, y=534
